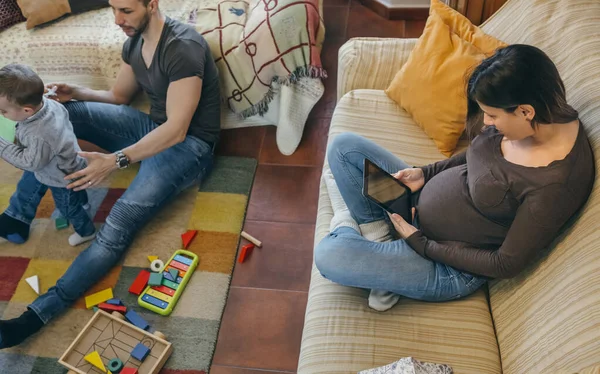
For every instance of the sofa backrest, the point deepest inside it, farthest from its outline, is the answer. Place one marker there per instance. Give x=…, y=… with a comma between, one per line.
x=547, y=319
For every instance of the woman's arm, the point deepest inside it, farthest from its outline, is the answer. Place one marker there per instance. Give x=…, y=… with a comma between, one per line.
x=538, y=222
x=429, y=171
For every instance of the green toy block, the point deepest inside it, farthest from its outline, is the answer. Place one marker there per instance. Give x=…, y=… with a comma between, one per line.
x=95, y=309
x=61, y=223
x=155, y=279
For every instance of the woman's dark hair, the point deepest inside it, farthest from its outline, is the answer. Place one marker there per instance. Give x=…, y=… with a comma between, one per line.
x=515, y=75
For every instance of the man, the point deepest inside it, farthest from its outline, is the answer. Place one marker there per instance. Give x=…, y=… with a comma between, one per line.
x=172, y=63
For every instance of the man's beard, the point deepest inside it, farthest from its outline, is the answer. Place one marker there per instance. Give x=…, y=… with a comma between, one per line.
x=143, y=26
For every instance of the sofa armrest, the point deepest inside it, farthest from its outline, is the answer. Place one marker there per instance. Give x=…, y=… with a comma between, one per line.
x=370, y=63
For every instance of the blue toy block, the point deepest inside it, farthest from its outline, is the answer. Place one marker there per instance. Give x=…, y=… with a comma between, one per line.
x=135, y=318
x=114, y=302
x=183, y=260
x=155, y=279
x=140, y=352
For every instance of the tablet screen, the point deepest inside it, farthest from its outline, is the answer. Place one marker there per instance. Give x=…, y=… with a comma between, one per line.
x=386, y=190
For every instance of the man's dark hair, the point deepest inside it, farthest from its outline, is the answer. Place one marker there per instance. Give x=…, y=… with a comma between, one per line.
x=21, y=85
x=515, y=75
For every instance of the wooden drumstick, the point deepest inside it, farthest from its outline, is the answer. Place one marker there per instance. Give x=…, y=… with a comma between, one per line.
x=251, y=239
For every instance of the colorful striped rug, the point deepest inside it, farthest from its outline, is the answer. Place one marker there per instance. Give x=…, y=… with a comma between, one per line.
x=217, y=211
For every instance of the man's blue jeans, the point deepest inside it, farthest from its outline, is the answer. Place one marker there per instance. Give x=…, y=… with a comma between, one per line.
x=24, y=203
x=346, y=257
x=159, y=179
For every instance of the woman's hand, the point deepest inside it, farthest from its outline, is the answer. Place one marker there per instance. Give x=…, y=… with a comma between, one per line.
x=100, y=165
x=412, y=177
x=404, y=228
x=63, y=92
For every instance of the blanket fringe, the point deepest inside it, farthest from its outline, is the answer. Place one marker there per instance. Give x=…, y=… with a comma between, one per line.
x=261, y=107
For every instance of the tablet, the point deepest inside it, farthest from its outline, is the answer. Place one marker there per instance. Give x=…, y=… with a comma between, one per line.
x=386, y=191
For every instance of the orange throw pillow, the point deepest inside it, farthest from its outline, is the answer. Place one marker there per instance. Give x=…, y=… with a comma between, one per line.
x=431, y=86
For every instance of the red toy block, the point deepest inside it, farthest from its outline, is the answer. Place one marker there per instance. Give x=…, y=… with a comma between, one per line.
x=112, y=308
x=245, y=252
x=179, y=265
x=187, y=238
x=140, y=282
x=129, y=371
x=165, y=290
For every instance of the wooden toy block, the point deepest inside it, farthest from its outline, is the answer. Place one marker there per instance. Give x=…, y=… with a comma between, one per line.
x=165, y=290
x=157, y=266
x=179, y=265
x=114, y=302
x=61, y=223
x=152, y=258
x=174, y=273
x=140, y=282
x=98, y=297
x=94, y=359
x=181, y=272
x=112, y=308
x=159, y=295
x=251, y=239
x=183, y=260
x=170, y=284
x=168, y=276
x=111, y=330
x=135, y=319
x=115, y=365
x=140, y=352
x=154, y=301
x=34, y=283
x=187, y=238
x=155, y=279
x=245, y=252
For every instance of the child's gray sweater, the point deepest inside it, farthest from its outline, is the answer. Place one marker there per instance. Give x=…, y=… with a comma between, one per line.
x=46, y=145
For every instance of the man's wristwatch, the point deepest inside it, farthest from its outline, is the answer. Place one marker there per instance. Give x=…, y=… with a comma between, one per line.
x=122, y=160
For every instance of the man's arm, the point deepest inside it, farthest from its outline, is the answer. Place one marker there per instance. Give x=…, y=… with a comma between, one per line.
x=123, y=91
x=183, y=97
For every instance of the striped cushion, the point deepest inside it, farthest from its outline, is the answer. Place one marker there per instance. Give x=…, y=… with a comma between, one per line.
x=548, y=318
x=341, y=334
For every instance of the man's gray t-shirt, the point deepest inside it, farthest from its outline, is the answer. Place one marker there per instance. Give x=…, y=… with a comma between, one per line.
x=181, y=53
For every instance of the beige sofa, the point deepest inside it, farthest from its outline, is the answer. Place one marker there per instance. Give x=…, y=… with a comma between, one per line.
x=546, y=320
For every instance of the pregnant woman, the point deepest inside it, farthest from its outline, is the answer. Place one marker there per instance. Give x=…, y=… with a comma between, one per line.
x=482, y=214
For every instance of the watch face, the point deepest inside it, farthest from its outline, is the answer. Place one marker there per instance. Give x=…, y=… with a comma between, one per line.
x=123, y=162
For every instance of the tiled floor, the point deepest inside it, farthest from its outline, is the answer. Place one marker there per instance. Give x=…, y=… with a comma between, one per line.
x=262, y=324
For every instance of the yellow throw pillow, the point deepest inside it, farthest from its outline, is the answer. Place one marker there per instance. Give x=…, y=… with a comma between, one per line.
x=431, y=86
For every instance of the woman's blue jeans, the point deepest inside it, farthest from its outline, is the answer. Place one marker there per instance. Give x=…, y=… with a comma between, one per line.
x=347, y=258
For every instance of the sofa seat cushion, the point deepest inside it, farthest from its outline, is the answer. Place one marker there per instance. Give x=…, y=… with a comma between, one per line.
x=341, y=333
x=373, y=114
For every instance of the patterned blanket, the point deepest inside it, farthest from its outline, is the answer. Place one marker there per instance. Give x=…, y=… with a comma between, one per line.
x=261, y=42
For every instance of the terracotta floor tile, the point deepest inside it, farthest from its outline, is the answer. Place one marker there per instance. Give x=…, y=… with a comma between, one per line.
x=310, y=152
x=242, y=142
x=336, y=20
x=261, y=329
x=218, y=369
x=284, y=194
x=414, y=29
x=364, y=22
x=283, y=262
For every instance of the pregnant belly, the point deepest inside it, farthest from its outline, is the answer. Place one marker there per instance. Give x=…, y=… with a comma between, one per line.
x=447, y=213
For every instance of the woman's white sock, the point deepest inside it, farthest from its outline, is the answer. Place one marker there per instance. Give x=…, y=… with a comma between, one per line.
x=382, y=300
x=341, y=213
x=75, y=239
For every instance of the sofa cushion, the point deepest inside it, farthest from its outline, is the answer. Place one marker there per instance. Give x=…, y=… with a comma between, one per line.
x=10, y=14
x=38, y=12
x=341, y=334
x=547, y=318
x=431, y=85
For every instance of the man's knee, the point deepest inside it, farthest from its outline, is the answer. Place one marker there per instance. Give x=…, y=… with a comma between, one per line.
x=124, y=221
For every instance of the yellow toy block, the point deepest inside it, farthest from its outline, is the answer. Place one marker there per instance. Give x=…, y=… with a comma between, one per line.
x=159, y=295
x=152, y=258
x=98, y=297
x=94, y=359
